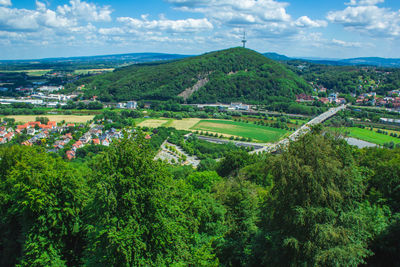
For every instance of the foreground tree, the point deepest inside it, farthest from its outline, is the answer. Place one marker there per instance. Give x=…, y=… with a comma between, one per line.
x=41, y=201
x=315, y=215
x=139, y=215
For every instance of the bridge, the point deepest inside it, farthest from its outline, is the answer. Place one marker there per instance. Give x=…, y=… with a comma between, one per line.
x=270, y=148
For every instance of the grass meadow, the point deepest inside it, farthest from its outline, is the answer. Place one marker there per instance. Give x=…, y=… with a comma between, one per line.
x=370, y=136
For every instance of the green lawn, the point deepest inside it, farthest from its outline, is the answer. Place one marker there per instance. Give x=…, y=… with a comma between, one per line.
x=370, y=136
x=248, y=130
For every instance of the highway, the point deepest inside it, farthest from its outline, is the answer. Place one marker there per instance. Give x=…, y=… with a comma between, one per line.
x=301, y=131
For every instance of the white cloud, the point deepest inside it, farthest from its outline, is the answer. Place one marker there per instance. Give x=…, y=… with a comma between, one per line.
x=61, y=19
x=111, y=31
x=371, y=20
x=364, y=2
x=236, y=12
x=261, y=18
x=5, y=2
x=346, y=44
x=165, y=25
x=306, y=22
x=85, y=11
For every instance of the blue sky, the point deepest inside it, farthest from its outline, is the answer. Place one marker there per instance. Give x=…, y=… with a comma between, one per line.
x=32, y=29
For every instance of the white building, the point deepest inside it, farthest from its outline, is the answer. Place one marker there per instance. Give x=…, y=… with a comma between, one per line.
x=50, y=88
x=131, y=105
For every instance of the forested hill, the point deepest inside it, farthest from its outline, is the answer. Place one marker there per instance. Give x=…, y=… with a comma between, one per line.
x=235, y=74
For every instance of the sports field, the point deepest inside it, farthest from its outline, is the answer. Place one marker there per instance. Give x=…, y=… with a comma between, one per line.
x=56, y=118
x=248, y=130
x=370, y=136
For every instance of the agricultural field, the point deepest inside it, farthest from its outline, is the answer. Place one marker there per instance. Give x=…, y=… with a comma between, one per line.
x=152, y=123
x=88, y=71
x=33, y=72
x=184, y=124
x=224, y=127
x=56, y=118
x=253, y=131
x=370, y=136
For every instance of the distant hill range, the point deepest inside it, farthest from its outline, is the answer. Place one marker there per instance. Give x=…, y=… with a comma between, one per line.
x=134, y=58
x=66, y=63
x=361, y=61
x=235, y=74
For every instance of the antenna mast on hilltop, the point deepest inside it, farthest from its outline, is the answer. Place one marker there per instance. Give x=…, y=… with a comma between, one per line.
x=244, y=39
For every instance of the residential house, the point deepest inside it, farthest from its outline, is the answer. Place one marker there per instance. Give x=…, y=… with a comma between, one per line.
x=31, y=131
x=96, y=141
x=131, y=105
x=304, y=98
x=76, y=145
x=324, y=100
x=70, y=154
x=105, y=142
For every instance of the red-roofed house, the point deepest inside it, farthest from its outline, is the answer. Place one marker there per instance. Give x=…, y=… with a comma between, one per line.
x=304, y=98
x=78, y=144
x=70, y=154
x=324, y=100
x=96, y=141
x=22, y=127
x=33, y=123
x=70, y=125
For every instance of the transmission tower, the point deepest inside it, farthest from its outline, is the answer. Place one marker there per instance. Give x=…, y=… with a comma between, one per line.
x=244, y=39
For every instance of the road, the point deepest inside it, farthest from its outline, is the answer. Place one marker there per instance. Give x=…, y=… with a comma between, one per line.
x=167, y=155
x=301, y=131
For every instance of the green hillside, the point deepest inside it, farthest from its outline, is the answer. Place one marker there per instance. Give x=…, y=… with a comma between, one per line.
x=235, y=74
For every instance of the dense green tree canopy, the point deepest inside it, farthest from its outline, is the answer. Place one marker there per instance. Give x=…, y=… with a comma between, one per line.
x=320, y=202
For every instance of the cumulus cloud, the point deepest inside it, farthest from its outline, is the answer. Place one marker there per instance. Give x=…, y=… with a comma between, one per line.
x=65, y=17
x=264, y=18
x=371, y=20
x=5, y=2
x=42, y=26
x=85, y=11
x=306, y=22
x=165, y=25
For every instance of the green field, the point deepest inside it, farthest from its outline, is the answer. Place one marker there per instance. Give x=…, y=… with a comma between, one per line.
x=33, y=72
x=370, y=136
x=87, y=71
x=248, y=130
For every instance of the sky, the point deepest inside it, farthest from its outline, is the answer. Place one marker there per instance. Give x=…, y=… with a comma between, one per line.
x=32, y=29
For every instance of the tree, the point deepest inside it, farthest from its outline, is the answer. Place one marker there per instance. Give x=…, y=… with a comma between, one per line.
x=42, y=120
x=241, y=199
x=41, y=199
x=137, y=215
x=207, y=164
x=315, y=215
x=233, y=161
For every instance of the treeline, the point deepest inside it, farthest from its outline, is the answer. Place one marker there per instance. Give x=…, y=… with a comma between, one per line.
x=318, y=203
x=94, y=105
x=235, y=74
x=20, y=109
x=348, y=79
